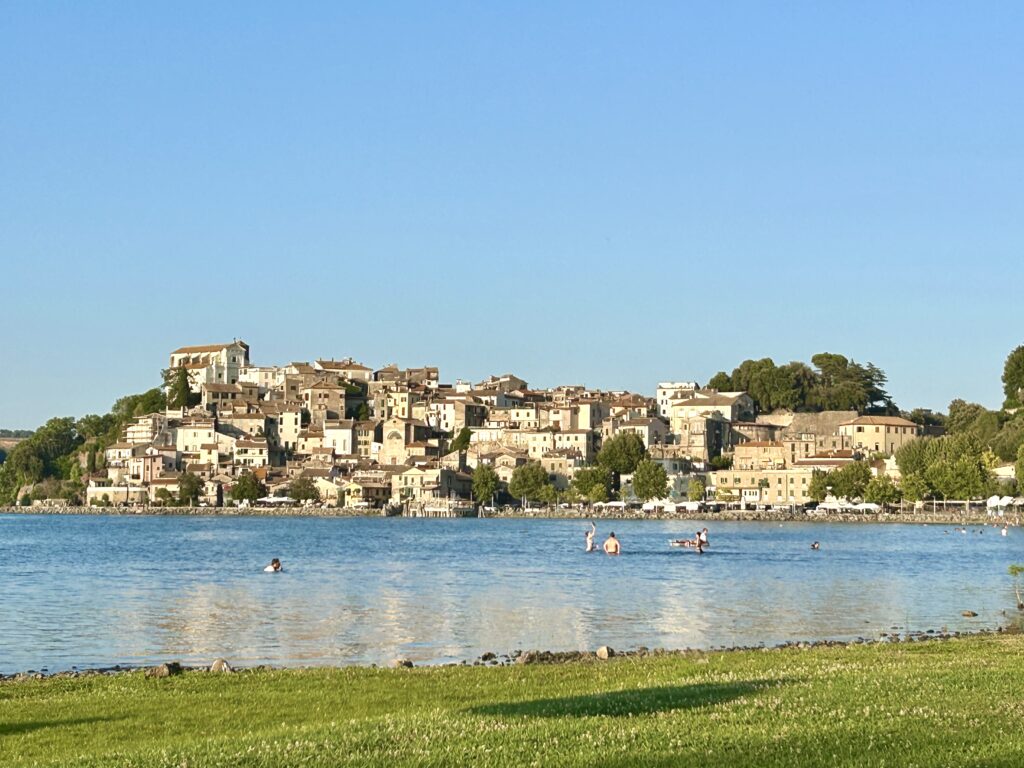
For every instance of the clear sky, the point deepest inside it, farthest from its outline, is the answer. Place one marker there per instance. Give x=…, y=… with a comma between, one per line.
x=608, y=194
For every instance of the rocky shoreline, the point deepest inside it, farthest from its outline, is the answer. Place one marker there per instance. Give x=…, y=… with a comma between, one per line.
x=522, y=657
x=957, y=516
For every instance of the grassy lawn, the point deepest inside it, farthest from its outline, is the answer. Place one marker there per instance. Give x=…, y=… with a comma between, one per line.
x=959, y=703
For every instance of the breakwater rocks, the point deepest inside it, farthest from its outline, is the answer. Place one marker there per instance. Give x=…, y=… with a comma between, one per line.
x=917, y=517
x=951, y=516
x=521, y=657
x=195, y=511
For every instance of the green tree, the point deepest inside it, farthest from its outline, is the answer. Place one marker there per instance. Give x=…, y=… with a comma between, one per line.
x=485, y=483
x=849, y=482
x=650, y=481
x=179, y=388
x=528, y=481
x=881, y=490
x=461, y=442
x=248, y=488
x=165, y=497
x=720, y=382
x=697, y=490
x=593, y=483
x=819, y=485
x=189, y=489
x=622, y=453
x=1013, y=379
x=1018, y=468
x=363, y=413
x=914, y=487
x=304, y=489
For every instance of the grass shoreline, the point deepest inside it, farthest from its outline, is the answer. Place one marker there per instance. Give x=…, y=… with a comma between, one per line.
x=956, y=702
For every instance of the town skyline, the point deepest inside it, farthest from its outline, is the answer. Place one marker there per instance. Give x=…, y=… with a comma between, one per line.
x=13, y=416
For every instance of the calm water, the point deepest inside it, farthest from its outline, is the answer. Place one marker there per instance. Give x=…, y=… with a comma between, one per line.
x=91, y=591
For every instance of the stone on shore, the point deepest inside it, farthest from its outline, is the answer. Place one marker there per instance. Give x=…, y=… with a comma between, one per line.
x=164, y=670
x=221, y=665
x=604, y=652
x=969, y=614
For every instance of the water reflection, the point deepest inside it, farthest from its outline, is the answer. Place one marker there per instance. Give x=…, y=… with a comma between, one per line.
x=102, y=590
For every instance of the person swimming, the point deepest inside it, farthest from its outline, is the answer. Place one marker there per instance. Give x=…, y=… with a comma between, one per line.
x=703, y=536
x=274, y=567
x=815, y=545
x=611, y=545
x=590, y=537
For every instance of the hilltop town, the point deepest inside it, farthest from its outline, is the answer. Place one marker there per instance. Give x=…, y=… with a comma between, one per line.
x=337, y=432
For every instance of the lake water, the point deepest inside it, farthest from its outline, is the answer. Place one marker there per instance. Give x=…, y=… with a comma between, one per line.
x=97, y=590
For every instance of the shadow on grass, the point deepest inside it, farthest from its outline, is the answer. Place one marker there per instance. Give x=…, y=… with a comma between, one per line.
x=13, y=729
x=637, y=701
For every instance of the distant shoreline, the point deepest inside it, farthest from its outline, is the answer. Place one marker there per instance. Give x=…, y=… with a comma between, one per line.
x=908, y=517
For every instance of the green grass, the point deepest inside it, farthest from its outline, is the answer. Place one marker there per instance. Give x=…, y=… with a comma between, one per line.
x=959, y=703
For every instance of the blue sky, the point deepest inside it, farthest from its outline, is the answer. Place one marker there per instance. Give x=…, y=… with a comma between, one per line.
x=609, y=194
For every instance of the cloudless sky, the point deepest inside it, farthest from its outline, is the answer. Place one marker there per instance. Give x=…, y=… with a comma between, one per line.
x=603, y=193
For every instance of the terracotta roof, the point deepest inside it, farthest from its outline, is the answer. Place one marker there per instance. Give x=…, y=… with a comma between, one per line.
x=205, y=348
x=886, y=421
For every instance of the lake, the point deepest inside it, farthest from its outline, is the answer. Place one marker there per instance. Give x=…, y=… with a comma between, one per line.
x=99, y=590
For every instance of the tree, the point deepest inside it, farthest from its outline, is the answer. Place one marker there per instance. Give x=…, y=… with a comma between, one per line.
x=593, y=483
x=304, y=489
x=1013, y=379
x=650, y=481
x=485, y=482
x=248, y=488
x=189, y=489
x=697, y=490
x=179, y=388
x=914, y=487
x=164, y=496
x=819, y=486
x=528, y=481
x=720, y=382
x=363, y=413
x=461, y=442
x=849, y=482
x=622, y=453
x=1018, y=468
x=881, y=490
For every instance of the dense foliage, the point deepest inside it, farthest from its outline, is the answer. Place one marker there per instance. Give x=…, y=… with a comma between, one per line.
x=530, y=481
x=248, y=488
x=833, y=384
x=650, y=481
x=593, y=484
x=304, y=489
x=848, y=482
x=485, y=483
x=955, y=466
x=621, y=454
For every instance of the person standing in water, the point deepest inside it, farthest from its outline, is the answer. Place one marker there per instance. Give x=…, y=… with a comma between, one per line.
x=274, y=567
x=611, y=545
x=590, y=537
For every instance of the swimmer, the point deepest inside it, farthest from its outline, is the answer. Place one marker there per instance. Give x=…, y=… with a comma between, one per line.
x=590, y=537
x=274, y=567
x=611, y=545
x=815, y=545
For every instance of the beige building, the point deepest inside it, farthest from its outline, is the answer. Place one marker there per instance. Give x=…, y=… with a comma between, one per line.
x=759, y=455
x=732, y=406
x=340, y=436
x=324, y=400
x=212, y=363
x=881, y=434
x=670, y=392
x=252, y=453
x=774, y=486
